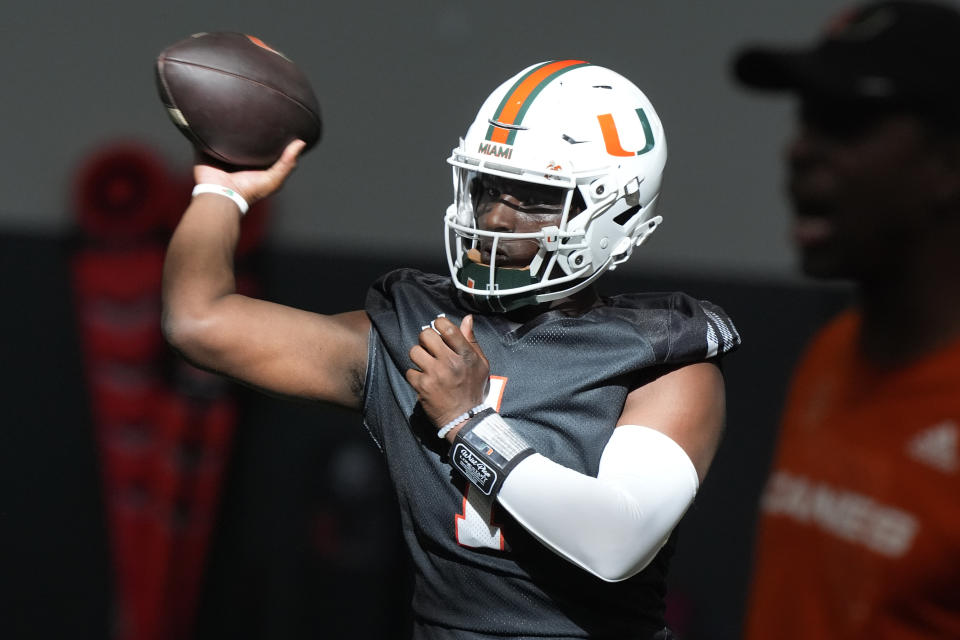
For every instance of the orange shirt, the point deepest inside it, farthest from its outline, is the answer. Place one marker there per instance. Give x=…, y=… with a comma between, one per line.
x=859, y=533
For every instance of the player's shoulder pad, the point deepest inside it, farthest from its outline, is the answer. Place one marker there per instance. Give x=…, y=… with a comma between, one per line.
x=691, y=329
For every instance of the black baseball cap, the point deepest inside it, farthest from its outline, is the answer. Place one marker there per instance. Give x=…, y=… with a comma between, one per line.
x=901, y=53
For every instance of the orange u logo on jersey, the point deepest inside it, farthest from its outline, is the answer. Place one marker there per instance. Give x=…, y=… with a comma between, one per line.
x=611, y=138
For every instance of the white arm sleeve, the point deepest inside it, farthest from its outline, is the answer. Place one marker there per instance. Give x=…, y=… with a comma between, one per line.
x=612, y=525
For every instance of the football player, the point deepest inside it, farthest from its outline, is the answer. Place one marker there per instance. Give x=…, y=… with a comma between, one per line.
x=543, y=441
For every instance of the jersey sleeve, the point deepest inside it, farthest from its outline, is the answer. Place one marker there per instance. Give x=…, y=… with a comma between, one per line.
x=680, y=329
x=398, y=304
x=712, y=330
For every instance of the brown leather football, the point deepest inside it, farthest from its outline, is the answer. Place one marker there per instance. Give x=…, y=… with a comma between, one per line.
x=237, y=99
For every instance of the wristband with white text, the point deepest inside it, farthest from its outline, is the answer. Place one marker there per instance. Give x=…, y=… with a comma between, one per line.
x=486, y=449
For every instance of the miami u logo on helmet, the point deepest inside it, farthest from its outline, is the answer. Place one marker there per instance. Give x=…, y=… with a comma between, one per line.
x=612, y=139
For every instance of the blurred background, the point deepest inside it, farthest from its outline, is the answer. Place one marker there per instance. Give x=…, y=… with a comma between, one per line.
x=146, y=500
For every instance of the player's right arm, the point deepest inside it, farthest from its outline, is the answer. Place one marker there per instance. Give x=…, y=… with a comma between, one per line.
x=278, y=349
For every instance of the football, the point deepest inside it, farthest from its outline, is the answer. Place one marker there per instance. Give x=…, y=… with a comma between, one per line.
x=237, y=99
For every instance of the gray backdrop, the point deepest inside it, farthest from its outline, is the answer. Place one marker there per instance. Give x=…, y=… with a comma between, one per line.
x=398, y=83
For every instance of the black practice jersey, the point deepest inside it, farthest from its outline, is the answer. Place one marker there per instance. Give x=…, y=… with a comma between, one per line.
x=561, y=383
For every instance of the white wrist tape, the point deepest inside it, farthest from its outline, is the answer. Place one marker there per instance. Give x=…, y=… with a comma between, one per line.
x=220, y=190
x=486, y=450
x=612, y=525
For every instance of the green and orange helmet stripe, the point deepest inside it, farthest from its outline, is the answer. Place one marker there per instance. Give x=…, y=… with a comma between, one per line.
x=519, y=97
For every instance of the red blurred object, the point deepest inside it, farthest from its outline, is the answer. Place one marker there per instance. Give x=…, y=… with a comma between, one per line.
x=118, y=274
x=122, y=193
x=117, y=293
x=163, y=428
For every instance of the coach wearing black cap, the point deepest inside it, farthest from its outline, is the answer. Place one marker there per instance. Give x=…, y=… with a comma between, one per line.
x=859, y=533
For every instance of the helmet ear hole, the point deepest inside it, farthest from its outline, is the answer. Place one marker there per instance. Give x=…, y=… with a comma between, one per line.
x=625, y=217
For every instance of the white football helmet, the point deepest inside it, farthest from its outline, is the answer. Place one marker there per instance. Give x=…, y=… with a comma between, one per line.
x=569, y=124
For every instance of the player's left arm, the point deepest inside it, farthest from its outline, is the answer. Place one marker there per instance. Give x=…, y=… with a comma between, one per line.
x=688, y=405
x=611, y=525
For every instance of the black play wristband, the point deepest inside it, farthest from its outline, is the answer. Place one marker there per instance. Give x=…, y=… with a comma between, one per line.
x=486, y=449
